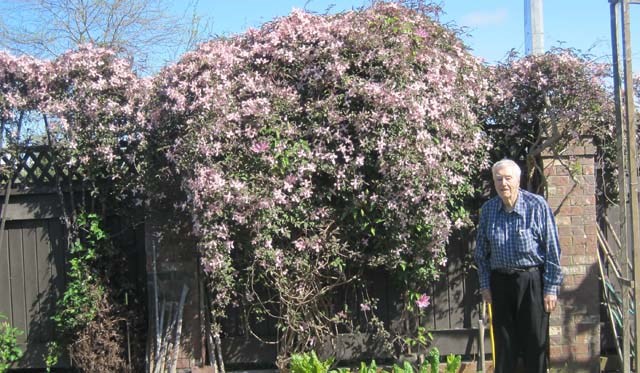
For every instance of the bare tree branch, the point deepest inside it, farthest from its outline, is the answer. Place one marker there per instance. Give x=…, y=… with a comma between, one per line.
x=140, y=30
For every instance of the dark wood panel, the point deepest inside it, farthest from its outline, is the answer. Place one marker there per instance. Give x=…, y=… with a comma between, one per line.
x=457, y=272
x=16, y=272
x=352, y=347
x=355, y=347
x=46, y=286
x=460, y=341
x=453, y=296
x=28, y=207
x=5, y=277
x=29, y=252
x=30, y=267
x=241, y=350
x=58, y=243
x=36, y=246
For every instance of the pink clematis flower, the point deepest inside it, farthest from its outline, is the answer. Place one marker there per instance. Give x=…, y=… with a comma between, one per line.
x=423, y=301
x=260, y=147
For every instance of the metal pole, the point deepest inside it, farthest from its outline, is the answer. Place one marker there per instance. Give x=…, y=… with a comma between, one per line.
x=634, y=226
x=622, y=184
x=533, y=27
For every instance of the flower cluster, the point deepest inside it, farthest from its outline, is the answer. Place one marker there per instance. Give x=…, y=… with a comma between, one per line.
x=90, y=103
x=541, y=103
x=320, y=143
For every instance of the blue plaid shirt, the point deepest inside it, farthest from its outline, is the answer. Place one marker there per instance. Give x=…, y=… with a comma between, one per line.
x=526, y=237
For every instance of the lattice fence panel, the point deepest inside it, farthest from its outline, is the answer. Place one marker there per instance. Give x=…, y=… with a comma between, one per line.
x=32, y=166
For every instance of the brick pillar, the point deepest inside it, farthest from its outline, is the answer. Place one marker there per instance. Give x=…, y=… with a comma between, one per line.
x=575, y=324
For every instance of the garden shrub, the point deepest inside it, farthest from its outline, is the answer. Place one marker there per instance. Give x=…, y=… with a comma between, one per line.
x=309, y=362
x=317, y=146
x=542, y=103
x=9, y=350
x=88, y=320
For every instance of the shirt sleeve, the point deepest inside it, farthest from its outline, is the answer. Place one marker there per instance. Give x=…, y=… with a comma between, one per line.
x=552, y=269
x=482, y=252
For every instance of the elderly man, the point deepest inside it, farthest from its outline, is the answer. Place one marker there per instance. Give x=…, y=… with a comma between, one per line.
x=518, y=258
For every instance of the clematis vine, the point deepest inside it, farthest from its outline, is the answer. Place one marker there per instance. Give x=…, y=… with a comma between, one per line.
x=321, y=147
x=542, y=103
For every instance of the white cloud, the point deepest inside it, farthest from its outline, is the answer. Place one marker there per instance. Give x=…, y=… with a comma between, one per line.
x=484, y=18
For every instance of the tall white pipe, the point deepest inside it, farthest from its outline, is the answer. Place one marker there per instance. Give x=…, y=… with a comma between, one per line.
x=533, y=27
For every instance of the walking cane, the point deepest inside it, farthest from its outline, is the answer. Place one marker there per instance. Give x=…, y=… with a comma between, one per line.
x=548, y=358
x=481, y=351
x=493, y=344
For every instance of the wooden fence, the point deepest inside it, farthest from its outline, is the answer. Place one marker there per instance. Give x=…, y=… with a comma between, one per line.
x=32, y=250
x=452, y=317
x=32, y=276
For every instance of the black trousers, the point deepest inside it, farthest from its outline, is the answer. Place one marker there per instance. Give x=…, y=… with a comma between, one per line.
x=520, y=323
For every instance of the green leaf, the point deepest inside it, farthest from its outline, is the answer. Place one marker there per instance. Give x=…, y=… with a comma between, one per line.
x=407, y=367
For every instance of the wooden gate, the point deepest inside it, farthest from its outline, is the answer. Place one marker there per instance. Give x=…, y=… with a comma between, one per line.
x=33, y=246
x=31, y=271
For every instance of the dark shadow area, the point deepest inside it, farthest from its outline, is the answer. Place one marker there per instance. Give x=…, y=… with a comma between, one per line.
x=580, y=318
x=452, y=318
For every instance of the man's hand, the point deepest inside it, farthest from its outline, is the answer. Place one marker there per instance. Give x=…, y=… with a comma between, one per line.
x=550, y=302
x=486, y=295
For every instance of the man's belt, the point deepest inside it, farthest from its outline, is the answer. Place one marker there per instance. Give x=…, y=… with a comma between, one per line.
x=511, y=271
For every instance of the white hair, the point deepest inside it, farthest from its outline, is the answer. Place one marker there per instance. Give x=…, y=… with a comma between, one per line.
x=507, y=163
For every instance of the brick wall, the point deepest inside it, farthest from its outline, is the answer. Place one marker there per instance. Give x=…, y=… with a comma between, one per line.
x=575, y=324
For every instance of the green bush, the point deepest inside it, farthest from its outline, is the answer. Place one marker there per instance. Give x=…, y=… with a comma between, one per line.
x=434, y=360
x=453, y=363
x=309, y=363
x=406, y=368
x=351, y=135
x=9, y=350
x=372, y=368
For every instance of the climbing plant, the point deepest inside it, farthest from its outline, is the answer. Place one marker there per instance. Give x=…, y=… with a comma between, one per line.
x=316, y=147
x=541, y=103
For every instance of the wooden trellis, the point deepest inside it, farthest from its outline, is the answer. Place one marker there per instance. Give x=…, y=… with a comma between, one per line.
x=31, y=166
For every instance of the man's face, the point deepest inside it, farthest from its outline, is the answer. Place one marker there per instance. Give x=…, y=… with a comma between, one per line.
x=506, y=182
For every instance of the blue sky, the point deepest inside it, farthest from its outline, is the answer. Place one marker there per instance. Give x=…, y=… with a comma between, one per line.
x=494, y=26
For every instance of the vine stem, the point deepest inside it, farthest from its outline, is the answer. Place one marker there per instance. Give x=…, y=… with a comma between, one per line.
x=7, y=194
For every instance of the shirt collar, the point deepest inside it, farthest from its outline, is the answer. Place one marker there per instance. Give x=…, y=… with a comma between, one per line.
x=519, y=207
